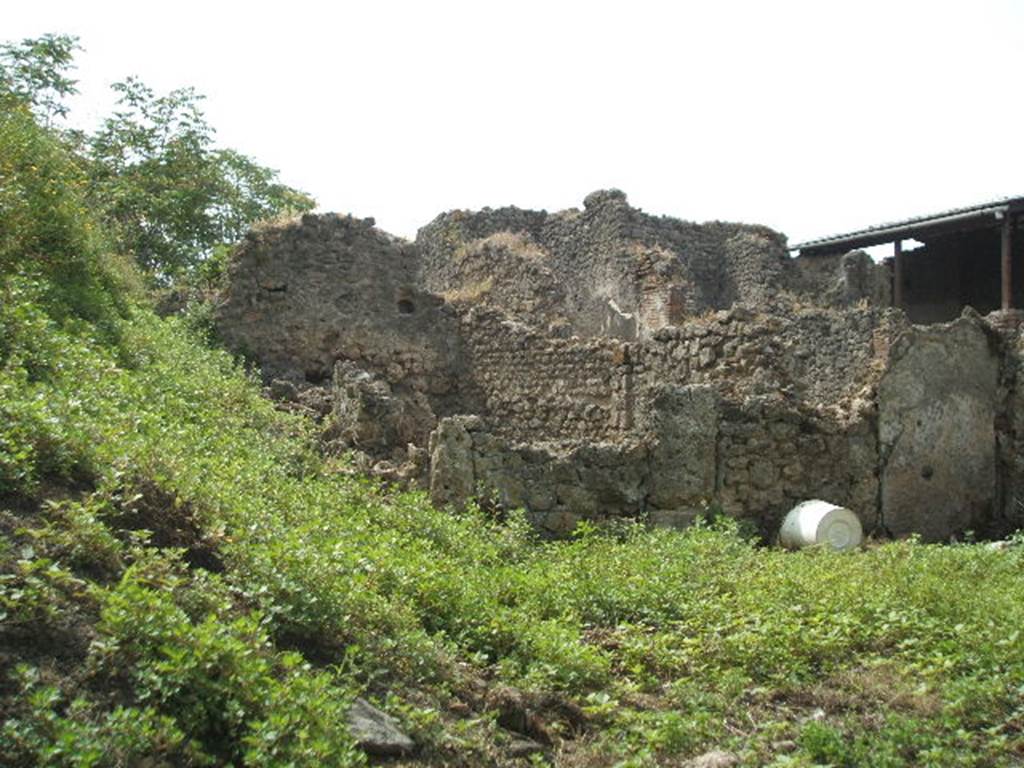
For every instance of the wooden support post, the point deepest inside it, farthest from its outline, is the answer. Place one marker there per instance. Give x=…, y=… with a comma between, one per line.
x=1007, y=258
x=897, y=273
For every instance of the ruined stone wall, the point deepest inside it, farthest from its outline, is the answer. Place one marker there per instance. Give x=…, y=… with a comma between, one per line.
x=533, y=387
x=600, y=363
x=508, y=272
x=888, y=429
x=709, y=414
x=814, y=355
x=317, y=291
x=557, y=487
x=838, y=280
x=695, y=452
x=772, y=454
x=618, y=271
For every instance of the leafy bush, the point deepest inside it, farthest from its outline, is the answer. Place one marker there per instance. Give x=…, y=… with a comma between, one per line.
x=48, y=230
x=52, y=731
x=219, y=678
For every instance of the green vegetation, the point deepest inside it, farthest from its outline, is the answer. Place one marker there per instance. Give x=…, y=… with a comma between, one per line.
x=186, y=580
x=167, y=194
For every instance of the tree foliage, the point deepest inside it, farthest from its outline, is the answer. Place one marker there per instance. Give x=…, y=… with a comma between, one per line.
x=48, y=228
x=172, y=194
x=36, y=72
x=168, y=194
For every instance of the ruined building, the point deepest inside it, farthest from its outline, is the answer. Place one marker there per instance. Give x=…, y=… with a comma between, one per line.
x=603, y=362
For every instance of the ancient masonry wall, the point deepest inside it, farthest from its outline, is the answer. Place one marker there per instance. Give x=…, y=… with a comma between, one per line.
x=537, y=388
x=603, y=362
x=882, y=429
x=796, y=402
x=331, y=309
x=817, y=355
x=322, y=288
x=613, y=269
x=839, y=280
x=508, y=272
x=940, y=414
x=675, y=423
x=752, y=461
x=773, y=455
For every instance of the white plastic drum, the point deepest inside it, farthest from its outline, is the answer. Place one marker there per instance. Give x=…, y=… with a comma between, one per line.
x=818, y=523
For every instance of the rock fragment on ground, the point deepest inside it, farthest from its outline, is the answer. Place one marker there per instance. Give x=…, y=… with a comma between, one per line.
x=714, y=759
x=524, y=747
x=376, y=732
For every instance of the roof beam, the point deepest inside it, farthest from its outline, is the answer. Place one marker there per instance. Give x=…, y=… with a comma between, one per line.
x=976, y=219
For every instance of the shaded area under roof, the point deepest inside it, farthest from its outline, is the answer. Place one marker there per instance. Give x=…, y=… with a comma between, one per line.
x=958, y=219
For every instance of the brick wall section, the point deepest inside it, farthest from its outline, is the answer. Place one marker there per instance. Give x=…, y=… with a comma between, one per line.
x=537, y=388
x=817, y=355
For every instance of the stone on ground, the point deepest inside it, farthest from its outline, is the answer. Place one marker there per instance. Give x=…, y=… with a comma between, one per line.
x=714, y=759
x=376, y=732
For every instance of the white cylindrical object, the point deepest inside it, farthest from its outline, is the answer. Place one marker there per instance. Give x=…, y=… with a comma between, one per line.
x=818, y=523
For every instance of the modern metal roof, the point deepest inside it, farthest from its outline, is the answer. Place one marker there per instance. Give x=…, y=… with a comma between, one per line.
x=957, y=219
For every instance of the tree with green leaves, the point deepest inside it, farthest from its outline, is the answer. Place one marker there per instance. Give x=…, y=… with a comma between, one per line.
x=35, y=72
x=170, y=196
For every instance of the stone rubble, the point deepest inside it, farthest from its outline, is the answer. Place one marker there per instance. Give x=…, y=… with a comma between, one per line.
x=376, y=732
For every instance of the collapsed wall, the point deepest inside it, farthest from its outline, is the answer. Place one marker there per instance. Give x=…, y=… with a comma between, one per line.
x=332, y=302
x=606, y=270
x=599, y=363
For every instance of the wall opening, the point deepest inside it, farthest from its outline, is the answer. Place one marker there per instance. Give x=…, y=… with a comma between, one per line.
x=955, y=271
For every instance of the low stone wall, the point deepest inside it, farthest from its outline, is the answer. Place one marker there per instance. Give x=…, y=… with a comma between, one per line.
x=698, y=454
x=557, y=486
x=772, y=455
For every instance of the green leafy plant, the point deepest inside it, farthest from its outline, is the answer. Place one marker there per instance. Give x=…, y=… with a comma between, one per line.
x=168, y=196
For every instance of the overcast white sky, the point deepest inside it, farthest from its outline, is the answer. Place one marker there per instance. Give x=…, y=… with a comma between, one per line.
x=811, y=117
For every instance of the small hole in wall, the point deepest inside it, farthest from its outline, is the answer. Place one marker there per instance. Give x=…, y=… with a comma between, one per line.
x=406, y=307
x=927, y=472
x=316, y=376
